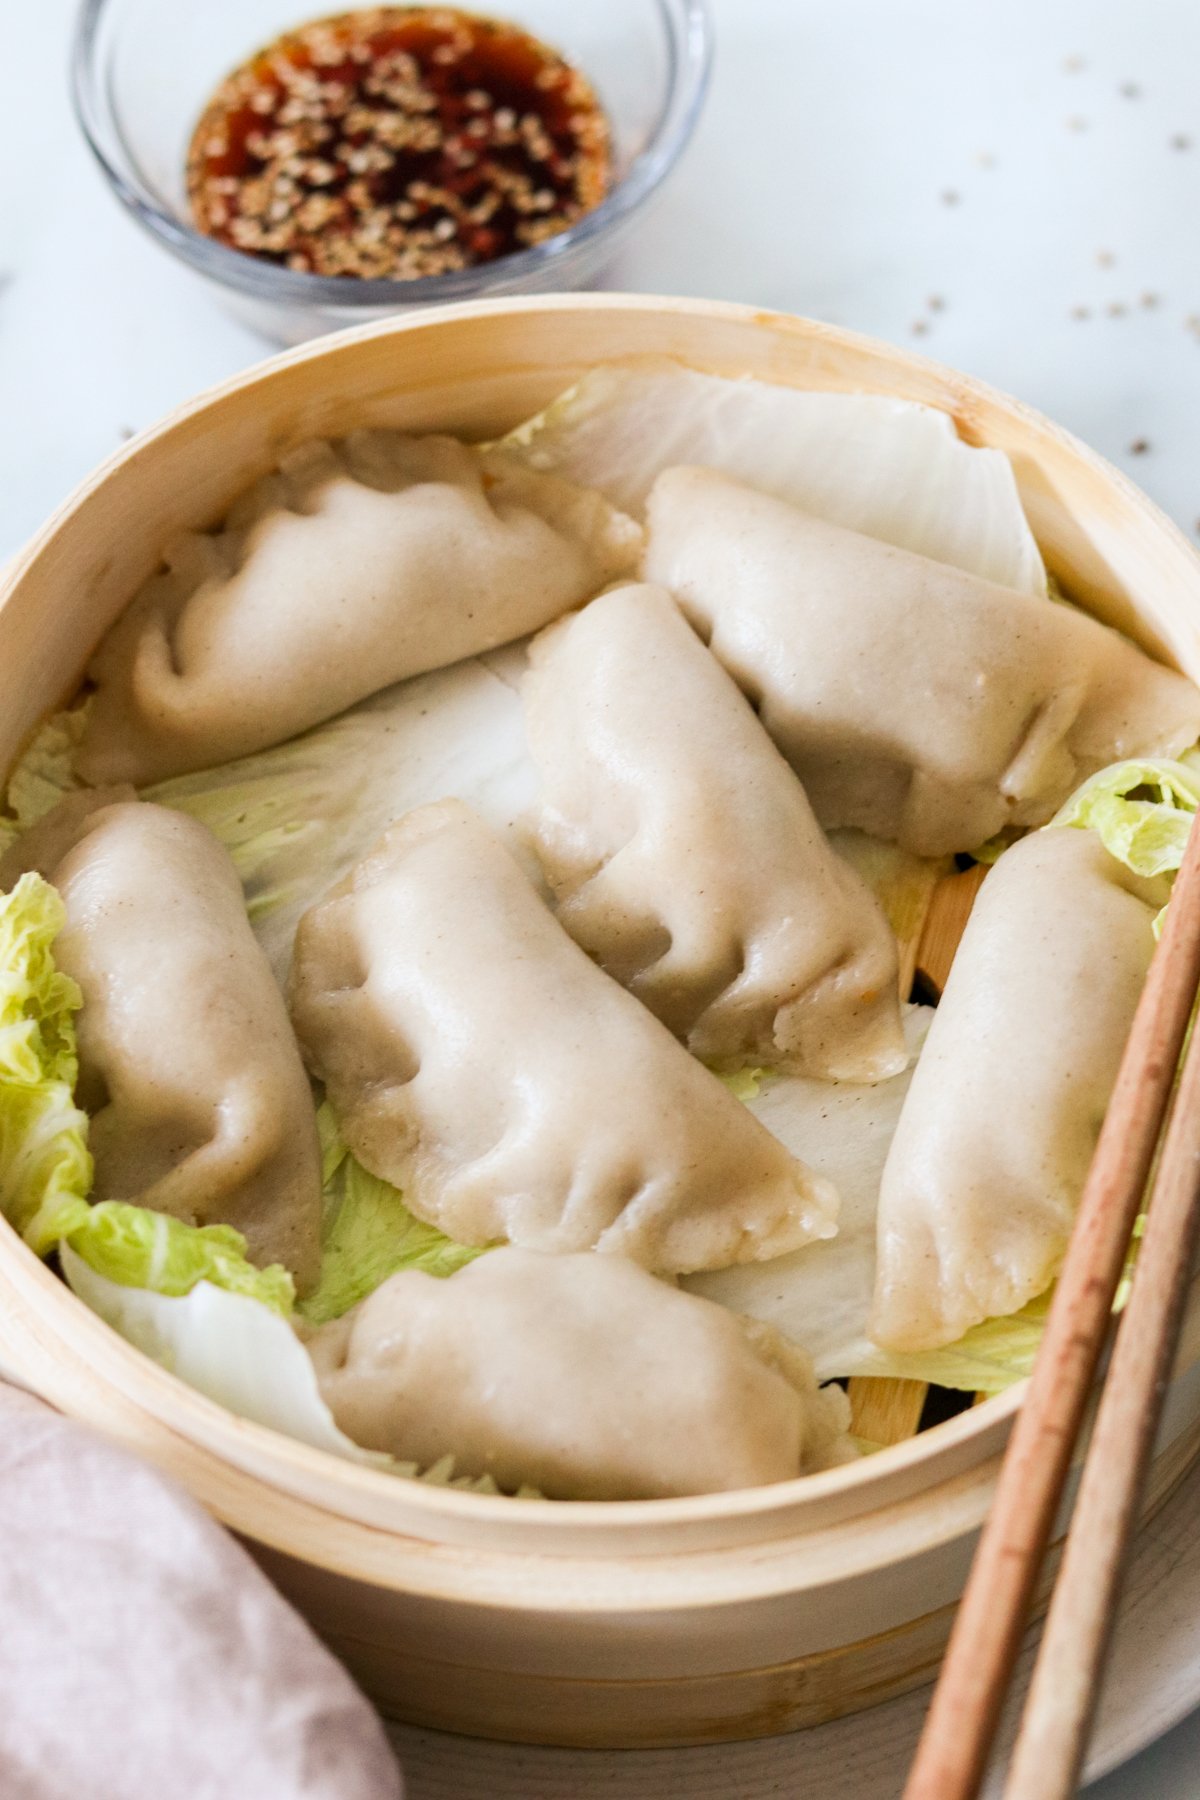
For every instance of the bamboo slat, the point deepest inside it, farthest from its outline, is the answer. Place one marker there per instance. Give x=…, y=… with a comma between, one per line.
x=885, y=1410
x=945, y=923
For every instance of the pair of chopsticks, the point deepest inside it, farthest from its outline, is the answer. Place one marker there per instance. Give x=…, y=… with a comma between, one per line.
x=961, y=1724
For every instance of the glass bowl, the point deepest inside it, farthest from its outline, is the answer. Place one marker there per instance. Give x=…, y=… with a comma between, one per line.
x=143, y=71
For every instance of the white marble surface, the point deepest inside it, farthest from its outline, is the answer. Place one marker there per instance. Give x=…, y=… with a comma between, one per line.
x=953, y=174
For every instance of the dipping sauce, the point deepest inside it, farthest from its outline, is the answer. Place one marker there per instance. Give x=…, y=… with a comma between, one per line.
x=397, y=142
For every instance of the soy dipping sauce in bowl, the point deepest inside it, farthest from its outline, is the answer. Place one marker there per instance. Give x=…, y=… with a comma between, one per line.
x=399, y=141
x=326, y=174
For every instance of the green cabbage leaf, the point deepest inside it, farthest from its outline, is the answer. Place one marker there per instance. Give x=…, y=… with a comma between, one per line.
x=242, y=1354
x=45, y=1167
x=368, y=1233
x=44, y=775
x=891, y=468
x=1142, y=813
x=138, y=1248
x=227, y=1345
x=296, y=817
x=988, y=1359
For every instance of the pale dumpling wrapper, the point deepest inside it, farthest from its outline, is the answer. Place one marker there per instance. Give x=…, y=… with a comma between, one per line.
x=579, y=1375
x=477, y=1059
x=355, y=565
x=915, y=701
x=997, y=1132
x=685, y=858
x=198, y=1100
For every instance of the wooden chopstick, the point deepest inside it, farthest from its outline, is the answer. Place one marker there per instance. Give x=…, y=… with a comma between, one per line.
x=1070, y=1661
x=961, y=1723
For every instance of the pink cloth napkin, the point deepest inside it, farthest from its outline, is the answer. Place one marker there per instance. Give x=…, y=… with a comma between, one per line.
x=143, y=1656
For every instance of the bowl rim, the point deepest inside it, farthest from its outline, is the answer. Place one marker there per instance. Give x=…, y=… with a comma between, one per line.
x=690, y=58
x=214, y=1428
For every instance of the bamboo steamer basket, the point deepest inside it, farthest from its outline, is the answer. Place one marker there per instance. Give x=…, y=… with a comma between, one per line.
x=639, y=1623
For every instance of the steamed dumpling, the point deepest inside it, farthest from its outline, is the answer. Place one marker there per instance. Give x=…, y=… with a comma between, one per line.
x=581, y=1376
x=199, y=1103
x=476, y=1058
x=355, y=565
x=989, y=1159
x=685, y=857
x=915, y=701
